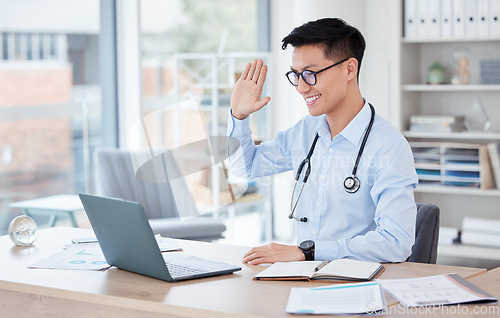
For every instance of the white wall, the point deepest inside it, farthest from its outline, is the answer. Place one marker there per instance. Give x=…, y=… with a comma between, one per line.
x=380, y=67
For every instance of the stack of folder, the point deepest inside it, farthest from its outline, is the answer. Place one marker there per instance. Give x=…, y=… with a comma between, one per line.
x=430, y=19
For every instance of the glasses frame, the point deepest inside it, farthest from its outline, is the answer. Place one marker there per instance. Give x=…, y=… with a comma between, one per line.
x=301, y=74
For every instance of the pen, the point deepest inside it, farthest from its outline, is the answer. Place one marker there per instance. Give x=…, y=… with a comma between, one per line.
x=320, y=266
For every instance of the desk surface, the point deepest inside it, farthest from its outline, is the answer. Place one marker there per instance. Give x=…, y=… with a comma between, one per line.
x=116, y=292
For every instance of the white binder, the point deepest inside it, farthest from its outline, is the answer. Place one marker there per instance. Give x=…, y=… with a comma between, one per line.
x=447, y=19
x=423, y=19
x=458, y=18
x=433, y=19
x=471, y=24
x=410, y=9
x=494, y=18
x=483, y=9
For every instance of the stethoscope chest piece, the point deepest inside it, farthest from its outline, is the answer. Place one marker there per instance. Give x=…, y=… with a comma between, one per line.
x=351, y=184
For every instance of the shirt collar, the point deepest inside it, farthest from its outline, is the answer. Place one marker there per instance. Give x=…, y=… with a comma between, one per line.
x=323, y=129
x=354, y=131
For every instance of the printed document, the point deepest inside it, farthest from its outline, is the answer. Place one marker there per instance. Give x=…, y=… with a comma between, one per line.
x=436, y=290
x=88, y=256
x=356, y=298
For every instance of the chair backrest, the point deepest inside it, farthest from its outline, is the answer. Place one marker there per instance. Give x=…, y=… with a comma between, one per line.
x=115, y=177
x=426, y=234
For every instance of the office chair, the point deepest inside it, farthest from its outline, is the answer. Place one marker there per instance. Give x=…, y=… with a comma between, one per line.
x=426, y=234
x=116, y=177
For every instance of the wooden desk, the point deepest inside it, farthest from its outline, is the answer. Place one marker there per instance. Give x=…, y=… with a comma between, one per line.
x=114, y=292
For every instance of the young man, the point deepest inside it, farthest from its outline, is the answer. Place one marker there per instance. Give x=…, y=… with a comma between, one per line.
x=358, y=201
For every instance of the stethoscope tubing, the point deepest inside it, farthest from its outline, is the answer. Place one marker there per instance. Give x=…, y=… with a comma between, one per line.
x=351, y=183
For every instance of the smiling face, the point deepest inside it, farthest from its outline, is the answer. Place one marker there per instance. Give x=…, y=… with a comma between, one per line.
x=329, y=94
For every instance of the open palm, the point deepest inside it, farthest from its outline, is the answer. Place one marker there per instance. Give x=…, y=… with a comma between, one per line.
x=246, y=94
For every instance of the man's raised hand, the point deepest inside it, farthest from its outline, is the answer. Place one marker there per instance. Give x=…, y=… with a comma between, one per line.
x=246, y=94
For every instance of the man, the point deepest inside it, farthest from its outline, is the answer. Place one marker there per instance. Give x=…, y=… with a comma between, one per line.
x=363, y=210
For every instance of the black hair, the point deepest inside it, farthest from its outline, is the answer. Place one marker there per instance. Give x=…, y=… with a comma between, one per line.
x=339, y=39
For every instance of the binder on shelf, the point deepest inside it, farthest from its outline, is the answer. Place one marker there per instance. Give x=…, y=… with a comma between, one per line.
x=410, y=24
x=423, y=16
x=458, y=18
x=494, y=18
x=446, y=19
x=483, y=9
x=471, y=24
x=433, y=19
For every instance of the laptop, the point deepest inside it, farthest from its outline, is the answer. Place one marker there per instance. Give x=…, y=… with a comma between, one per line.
x=127, y=242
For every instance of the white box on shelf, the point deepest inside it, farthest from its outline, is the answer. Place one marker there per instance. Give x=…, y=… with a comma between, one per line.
x=480, y=239
x=448, y=235
x=482, y=225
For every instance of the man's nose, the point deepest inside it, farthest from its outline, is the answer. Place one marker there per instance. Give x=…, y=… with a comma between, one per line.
x=302, y=86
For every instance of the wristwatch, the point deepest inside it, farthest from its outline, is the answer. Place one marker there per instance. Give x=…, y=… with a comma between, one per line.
x=307, y=247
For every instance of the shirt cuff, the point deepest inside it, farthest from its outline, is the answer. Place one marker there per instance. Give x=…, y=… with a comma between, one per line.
x=238, y=127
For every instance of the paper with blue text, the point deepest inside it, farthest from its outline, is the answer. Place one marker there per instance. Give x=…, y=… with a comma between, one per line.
x=356, y=298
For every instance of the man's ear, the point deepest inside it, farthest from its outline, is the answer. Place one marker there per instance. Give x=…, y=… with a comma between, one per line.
x=352, y=68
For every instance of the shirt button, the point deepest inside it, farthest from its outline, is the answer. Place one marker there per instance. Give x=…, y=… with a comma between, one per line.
x=314, y=232
x=318, y=205
x=322, y=177
x=331, y=150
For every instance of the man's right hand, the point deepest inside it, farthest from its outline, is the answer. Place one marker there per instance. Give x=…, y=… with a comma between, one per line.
x=246, y=94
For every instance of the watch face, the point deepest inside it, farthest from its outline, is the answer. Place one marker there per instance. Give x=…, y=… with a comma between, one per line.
x=307, y=245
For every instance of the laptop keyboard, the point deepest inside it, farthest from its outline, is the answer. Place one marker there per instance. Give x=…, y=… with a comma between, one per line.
x=181, y=271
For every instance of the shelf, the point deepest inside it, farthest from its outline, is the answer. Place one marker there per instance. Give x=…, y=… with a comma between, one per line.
x=450, y=40
x=468, y=251
x=466, y=135
x=450, y=88
x=440, y=189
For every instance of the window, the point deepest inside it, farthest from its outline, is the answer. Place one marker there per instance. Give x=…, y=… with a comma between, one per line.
x=192, y=52
x=49, y=123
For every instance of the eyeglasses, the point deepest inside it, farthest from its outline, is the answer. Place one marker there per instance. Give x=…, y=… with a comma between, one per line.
x=309, y=77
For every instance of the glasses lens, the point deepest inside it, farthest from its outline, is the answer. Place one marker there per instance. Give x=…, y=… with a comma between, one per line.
x=309, y=77
x=293, y=78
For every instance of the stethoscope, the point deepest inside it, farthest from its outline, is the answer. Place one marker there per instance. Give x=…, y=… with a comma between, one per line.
x=351, y=183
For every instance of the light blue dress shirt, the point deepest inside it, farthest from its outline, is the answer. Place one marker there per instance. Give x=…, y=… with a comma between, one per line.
x=377, y=223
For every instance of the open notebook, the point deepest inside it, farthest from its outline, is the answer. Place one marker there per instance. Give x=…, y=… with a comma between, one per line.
x=339, y=270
